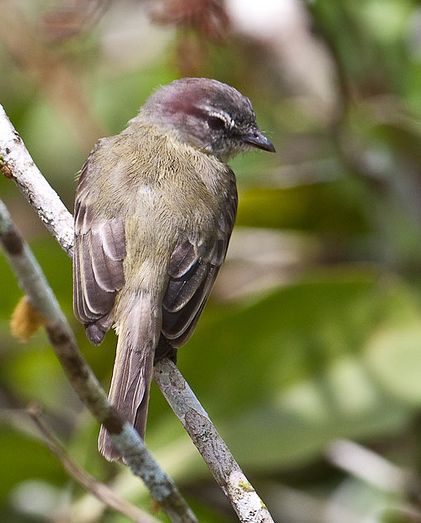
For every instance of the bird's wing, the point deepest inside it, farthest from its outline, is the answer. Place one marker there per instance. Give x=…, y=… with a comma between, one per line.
x=192, y=271
x=98, y=274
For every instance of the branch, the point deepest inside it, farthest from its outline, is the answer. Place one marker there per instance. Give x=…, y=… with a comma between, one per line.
x=241, y=494
x=17, y=164
x=124, y=436
x=226, y=471
x=366, y=465
x=73, y=18
x=99, y=490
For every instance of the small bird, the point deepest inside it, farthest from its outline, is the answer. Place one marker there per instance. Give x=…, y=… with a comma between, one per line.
x=154, y=211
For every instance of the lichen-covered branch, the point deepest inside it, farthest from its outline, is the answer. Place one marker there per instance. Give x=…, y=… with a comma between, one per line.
x=81, y=377
x=228, y=474
x=16, y=163
x=242, y=496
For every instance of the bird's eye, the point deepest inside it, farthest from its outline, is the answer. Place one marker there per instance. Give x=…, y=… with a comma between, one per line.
x=216, y=123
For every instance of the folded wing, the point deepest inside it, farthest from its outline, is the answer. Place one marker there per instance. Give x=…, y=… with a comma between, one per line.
x=193, y=268
x=97, y=265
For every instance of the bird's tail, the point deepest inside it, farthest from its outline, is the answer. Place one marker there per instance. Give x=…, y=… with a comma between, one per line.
x=138, y=334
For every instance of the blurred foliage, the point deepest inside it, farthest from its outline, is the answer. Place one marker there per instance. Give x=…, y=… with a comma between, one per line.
x=314, y=330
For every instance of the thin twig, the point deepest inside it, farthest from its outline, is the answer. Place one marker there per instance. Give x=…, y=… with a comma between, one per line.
x=98, y=489
x=81, y=377
x=73, y=18
x=365, y=464
x=242, y=496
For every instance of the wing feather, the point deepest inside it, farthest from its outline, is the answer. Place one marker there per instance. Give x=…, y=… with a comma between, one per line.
x=176, y=323
x=183, y=258
x=180, y=291
x=113, y=239
x=107, y=271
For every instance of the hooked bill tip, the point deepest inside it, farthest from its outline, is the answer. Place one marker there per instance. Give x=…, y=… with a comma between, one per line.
x=259, y=140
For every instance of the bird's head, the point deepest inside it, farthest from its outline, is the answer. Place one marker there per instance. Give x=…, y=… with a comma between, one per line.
x=210, y=115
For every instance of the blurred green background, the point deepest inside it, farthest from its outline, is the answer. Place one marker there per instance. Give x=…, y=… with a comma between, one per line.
x=308, y=356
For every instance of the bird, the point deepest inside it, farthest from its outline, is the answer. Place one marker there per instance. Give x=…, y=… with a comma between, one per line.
x=154, y=211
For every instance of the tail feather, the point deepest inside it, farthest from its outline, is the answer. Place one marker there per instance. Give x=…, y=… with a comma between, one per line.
x=133, y=368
